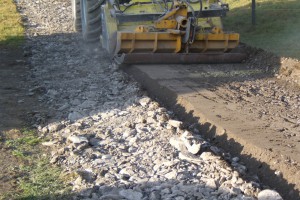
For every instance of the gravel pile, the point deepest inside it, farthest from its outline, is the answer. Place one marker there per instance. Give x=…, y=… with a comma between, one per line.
x=118, y=143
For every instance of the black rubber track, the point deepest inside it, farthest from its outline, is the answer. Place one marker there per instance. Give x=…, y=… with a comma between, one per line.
x=91, y=13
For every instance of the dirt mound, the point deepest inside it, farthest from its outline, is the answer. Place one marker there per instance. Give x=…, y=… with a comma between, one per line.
x=287, y=69
x=290, y=69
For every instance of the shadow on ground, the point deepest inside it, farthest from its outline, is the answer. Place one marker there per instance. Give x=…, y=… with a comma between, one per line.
x=218, y=74
x=169, y=189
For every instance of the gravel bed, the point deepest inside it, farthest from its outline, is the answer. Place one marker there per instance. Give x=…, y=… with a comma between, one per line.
x=104, y=129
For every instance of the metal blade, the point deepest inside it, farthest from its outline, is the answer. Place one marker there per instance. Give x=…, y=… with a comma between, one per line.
x=180, y=58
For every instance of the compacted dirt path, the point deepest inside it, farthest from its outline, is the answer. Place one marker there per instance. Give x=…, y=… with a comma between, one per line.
x=106, y=133
x=17, y=107
x=242, y=109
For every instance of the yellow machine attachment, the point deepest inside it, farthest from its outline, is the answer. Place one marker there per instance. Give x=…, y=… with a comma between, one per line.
x=177, y=34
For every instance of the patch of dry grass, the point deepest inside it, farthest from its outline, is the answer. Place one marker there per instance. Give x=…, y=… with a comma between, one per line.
x=11, y=29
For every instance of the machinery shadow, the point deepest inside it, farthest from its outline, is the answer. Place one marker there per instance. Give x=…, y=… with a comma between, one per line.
x=167, y=189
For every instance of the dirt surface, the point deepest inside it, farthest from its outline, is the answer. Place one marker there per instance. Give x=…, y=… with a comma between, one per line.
x=16, y=106
x=11, y=69
x=250, y=109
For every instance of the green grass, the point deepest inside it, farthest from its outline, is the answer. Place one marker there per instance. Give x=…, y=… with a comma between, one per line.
x=42, y=181
x=277, y=26
x=38, y=178
x=22, y=146
x=11, y=29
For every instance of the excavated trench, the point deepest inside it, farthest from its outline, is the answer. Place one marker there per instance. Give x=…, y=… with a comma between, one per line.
x=250, y=110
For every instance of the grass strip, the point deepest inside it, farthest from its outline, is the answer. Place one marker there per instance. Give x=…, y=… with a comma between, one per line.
x=37, y=178
x=11, y=28
x=277, y=25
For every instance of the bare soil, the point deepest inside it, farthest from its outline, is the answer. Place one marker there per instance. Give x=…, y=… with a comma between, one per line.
x=250, y=109
x=16, y=108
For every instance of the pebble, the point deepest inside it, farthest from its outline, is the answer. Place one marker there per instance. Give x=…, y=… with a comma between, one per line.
x=131, y=195
x=78, y=139
x=74, y=116
x=175, y=123
x=50, y=143
x=55, y=127
x=144, y=101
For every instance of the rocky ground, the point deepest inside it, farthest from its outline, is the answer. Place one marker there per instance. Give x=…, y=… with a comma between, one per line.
x=102, y=127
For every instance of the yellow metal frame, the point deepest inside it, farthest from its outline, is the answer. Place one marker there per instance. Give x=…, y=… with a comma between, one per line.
x=165, y=34
x=157, y=42
x=151, y=42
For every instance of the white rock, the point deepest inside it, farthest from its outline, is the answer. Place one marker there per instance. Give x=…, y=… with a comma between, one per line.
x=207, y=156
x=106, y=157
x=269, y=195
x=128, y=133
x=55, y=127
x=54, y=159
x=44, y=129
x=177, y=143
x=77, y=139
x=171, y=175
x=49, y=143
x=131, y=194
x=175, y=123
x=126, y=171
x=144, y=101
x=210, y=183
x=194, y=149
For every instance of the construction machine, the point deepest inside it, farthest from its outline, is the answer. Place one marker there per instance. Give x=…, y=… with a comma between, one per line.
x=158, y=31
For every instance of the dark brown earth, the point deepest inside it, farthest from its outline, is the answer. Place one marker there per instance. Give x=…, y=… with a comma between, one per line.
x=15, y=108
x=250, y=109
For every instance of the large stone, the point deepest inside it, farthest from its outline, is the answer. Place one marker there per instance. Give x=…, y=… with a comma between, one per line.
x=269, y=195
